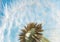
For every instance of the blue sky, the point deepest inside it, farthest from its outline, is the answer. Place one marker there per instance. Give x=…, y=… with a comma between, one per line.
x=15, y=14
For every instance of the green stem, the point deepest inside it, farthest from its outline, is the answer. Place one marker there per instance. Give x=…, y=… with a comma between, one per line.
x=32, y=32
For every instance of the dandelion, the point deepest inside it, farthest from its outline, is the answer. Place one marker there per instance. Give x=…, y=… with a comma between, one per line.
x=32, y=33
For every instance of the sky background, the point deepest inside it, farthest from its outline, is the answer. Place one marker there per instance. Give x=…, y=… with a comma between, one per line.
x=15, y=14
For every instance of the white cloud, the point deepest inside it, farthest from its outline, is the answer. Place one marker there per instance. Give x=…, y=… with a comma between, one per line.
x=17, y=11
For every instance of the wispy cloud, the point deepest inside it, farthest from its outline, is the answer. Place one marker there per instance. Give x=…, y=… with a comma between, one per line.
x=20, y=12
